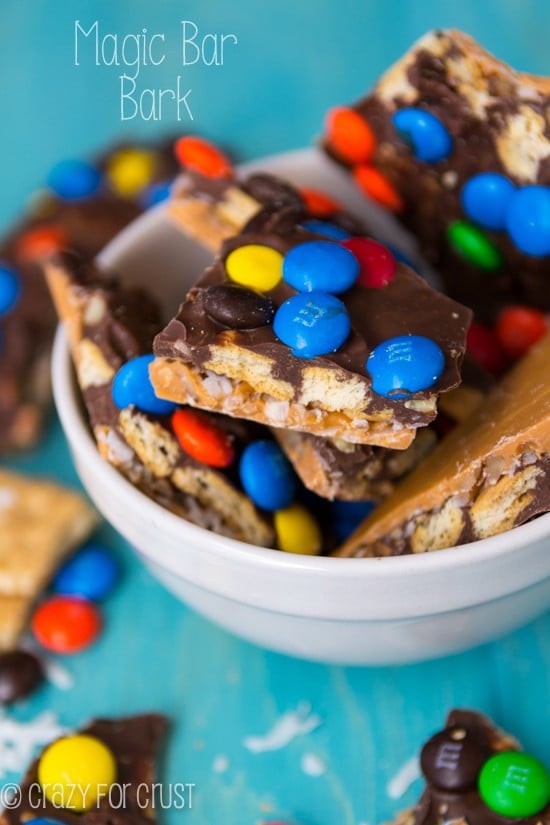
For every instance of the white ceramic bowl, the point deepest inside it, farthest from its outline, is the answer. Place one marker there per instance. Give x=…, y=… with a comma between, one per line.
x=350, y=611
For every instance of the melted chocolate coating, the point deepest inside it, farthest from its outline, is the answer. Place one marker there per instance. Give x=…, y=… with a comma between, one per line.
x=462, y=802
x=134, y=743
x=431, y=204
x=376, y=315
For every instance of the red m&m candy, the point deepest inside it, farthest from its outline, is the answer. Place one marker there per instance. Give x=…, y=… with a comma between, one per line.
x=65, y=624
x=485, y=348
x=203, y=157
x=377, y=264
x=518, y=328
x=378, y=187
x=349, y=136
x=41, y=241
x=202, y=439
x=319, y=203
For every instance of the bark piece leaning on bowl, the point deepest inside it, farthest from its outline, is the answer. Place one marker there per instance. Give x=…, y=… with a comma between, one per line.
x=85, y=224
x=250, y=373
x=452, y=761
x=498, y=122
x=490, y=474
x=134, y=742
x=108, y=325
x=40, y=523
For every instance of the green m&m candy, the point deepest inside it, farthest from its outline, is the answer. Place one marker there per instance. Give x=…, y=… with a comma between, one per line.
x=514, y=784
x=473, y=245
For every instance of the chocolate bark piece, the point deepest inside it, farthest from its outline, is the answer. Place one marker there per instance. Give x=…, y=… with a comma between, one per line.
x=451, y=762
x=86, y=225
x=134, y=742
x=498, y=122
x=40, y=524
x=490, y=474
x=252, y=374
x=107, y=325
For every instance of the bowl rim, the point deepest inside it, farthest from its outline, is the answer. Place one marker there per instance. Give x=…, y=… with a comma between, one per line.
x=443, y=561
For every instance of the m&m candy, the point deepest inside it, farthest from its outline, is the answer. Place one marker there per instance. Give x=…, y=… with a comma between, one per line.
x=202, y=438
x=318, y=203
x=255, y=266
x=10, y=289
x=76, y=771
x=514, y=784
x=155, y=193
x=91, y=573
x=42, y=821
x=329, y=230
x=20, y=673
x=266, y=475
x=349, y=136
x=132, y=386
x=404, y=365
x=297, y=531
x=377, y=265
x=346, y=516
x=484, y=346
x=320, y=265
x=375, y=185
x=518, y=328
x=41, y=241
x=66, y=624
x=429, y=138
x=237, y=307
x=201, y=156
x=131, y=170
x=528, y=220
x=473, y=245
x=312, y=324
x=74, y=179
x=485, y=199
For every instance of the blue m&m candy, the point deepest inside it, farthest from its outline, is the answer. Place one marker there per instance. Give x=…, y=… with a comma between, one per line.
x=346, y=516
x=322, y=265
x=156, y=193
x=528, y=220
x=132, y=386
x=91, y=574
x=10, y=289
x=266, y=476
x=329, y=230
x=485, y=199
x=74, y=179
x=43, y=821
x=312, y=324
x=429, y=138
x=404, y=365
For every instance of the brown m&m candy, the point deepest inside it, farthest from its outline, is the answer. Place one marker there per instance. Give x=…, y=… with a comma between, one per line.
x=452, y=759
x=238, y=307
x=20, y=674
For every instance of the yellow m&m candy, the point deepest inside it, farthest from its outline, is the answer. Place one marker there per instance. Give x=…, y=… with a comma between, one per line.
x=255, y=266
x=297, y=531
x=76, y=771
x=131, y=170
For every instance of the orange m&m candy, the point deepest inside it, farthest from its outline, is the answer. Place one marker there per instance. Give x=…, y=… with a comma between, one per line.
x=202, y=439
x=66, y=624
x=41, y=241
x=203, y=157
x=349, y=136
x=318, y=203
x=377, y=186
x=518, y=328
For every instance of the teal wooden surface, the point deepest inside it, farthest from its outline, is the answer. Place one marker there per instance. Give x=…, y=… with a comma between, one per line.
x=294, y=59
